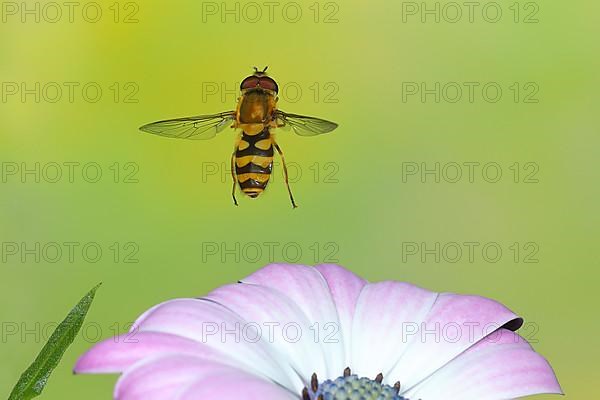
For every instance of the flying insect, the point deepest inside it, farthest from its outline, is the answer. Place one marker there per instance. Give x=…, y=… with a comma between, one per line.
x=256, y=115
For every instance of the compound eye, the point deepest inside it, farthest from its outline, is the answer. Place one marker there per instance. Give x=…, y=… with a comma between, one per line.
x=249, y=82
x=269, y=84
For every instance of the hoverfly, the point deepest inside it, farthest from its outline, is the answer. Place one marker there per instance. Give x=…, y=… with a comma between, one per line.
x=256, y=115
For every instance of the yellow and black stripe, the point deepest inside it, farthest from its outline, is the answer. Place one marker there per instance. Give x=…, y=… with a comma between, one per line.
x=254, y=162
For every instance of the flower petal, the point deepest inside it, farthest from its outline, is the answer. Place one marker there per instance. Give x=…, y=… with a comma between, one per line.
x=382, y=313
x=219, y=328
x=345, y=288
x=117, y=354
x=455, y=323
x=309, y=290
x=280, y=321
x=234, y=386
x=169, y=377
x=501, y=366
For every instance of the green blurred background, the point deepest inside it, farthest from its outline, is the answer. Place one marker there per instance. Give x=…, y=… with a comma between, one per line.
x=166, y=203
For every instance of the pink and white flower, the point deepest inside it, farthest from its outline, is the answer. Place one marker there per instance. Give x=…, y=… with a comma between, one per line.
x=298, y=332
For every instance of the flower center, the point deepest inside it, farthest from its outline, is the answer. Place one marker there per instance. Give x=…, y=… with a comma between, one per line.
x=351, y=387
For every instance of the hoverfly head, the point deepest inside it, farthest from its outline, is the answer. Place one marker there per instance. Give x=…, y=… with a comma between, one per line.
x=260, y=80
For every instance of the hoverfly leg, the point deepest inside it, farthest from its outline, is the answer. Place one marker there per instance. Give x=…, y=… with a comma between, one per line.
x=233, y=177
x=285, y=174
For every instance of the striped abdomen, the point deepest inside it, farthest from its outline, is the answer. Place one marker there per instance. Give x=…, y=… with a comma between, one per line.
x=254, y=162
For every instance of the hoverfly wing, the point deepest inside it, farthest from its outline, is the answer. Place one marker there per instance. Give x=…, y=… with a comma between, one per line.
x=303, y=125
x=200, y=127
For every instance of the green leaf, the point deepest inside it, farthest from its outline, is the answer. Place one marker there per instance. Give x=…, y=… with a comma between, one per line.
x=35, y=378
